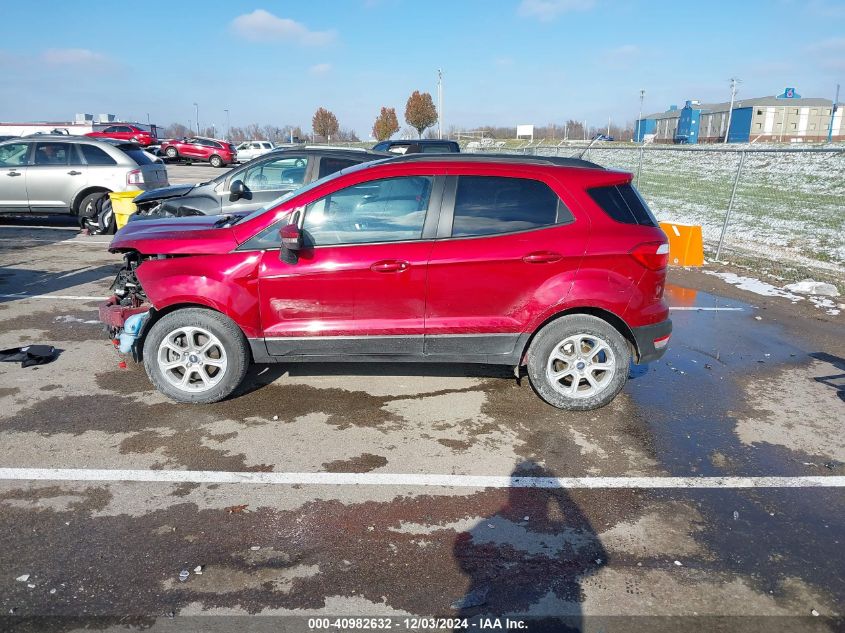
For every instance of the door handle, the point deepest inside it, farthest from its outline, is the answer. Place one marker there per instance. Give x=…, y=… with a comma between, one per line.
x=14, y=173
x=542, y=257
x=390, y=266
x=73, y=172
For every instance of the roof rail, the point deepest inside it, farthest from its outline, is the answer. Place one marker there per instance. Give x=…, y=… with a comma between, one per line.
x=523, y=159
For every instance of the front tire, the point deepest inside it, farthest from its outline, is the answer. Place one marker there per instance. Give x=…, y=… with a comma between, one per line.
x=578, y=362
x=171, y=153
x=196, y=356
x=216, y=161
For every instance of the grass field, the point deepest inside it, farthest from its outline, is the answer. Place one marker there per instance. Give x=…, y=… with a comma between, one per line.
x=789, y=207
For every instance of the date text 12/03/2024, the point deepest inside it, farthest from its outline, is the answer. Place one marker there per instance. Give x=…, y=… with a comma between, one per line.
x=415, y=624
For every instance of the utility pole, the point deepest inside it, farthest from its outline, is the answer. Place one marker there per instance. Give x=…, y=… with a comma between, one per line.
x=640, y=118
x=833, y=114
x=585, y=129
x=197, y=117
x=734, y=82
x=608, y=126
x=148, y=118
x=439, y=103
x=228, y=127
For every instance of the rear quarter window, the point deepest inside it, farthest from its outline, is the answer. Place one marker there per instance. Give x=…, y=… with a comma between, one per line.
x=93, y=155
x=491, y=205
x=137, y=154
x=623, y=203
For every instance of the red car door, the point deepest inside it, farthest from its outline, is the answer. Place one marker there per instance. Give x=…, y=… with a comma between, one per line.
x=511, y=250
x=358, y=287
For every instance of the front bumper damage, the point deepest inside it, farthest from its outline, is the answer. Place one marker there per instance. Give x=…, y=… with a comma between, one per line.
x=126, y=313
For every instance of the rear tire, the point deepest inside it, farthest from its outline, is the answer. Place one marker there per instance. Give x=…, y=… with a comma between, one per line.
x=196, y=356
x=216, y=161
x=578, y=362
x=106, y=221
x=89, y=212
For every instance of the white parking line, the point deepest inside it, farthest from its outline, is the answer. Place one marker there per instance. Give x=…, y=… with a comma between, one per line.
x=389, y=479
x=69, y=297
x=705, y=309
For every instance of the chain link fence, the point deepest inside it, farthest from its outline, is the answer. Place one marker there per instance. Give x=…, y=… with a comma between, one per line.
x=779, y=212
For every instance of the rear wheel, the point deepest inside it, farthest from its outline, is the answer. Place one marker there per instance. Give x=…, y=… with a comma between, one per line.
x=196, y=355
x=578, y=362
x=216, y=161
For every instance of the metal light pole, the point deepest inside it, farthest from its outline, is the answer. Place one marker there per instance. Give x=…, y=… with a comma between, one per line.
x=640, y=118
x=439, y=103
x=197, y=116
x=228, y=127
x=833, y=109
x=734, y=81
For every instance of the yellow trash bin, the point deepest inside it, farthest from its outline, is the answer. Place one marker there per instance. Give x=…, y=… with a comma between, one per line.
x=686, y=247
x=123, y=207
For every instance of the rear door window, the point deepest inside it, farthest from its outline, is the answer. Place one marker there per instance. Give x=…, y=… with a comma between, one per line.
x=491, y=205
x=331, y=165
x=435, y=148
x=52, y=153
x=137, y=154
x=623, y=203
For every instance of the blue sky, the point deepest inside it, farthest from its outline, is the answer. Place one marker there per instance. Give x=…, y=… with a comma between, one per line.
x=505, y=61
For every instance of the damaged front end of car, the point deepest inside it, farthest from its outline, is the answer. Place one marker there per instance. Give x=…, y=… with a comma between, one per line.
x=126, y=313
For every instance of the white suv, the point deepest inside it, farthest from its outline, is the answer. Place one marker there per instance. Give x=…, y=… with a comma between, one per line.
x=253, y=149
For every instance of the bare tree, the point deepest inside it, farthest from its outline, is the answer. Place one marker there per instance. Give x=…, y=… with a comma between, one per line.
x=176, y=130
x=420, y=112
x=325, y=124
x=386, y=124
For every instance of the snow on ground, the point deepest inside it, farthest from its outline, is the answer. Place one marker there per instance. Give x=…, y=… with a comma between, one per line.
x=768, y=290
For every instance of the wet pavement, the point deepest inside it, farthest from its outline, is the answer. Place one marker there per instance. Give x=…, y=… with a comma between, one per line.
x=755, y=388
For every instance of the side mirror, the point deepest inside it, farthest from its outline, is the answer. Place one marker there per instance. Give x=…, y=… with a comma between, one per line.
x=237, y=190
x=291, y=237
x=291, y=243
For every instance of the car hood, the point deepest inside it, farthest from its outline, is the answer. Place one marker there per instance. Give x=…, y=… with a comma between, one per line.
x=192, y=235
x=173, y=191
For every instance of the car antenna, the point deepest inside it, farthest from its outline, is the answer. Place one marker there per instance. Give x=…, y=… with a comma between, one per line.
x=586, y=149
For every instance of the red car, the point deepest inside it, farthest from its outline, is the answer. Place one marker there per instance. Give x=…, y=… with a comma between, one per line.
x=126, y=132
x=555, y=264
x=218, y=153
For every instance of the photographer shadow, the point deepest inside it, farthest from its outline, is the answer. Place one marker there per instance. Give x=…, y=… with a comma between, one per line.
x=528, y=560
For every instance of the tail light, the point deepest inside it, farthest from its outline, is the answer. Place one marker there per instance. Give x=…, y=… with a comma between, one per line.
x=652, y=255
x=135, y=177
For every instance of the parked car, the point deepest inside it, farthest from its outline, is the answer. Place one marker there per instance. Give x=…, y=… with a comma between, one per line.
x=423, y=145
x=199, y=149
x=604, y=137
x=552, y=263
x=252, y=185
x=73, y=174
x=126, y=132
x=248, y=150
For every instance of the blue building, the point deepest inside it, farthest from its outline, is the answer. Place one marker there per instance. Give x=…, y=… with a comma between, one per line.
x=787, y=117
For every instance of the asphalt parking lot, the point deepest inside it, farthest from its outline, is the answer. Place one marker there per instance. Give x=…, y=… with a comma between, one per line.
x=404, y=491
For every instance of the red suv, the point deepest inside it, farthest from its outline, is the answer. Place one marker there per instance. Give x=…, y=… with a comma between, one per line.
x=218, y=153
x=126, y=132
x=556, y=264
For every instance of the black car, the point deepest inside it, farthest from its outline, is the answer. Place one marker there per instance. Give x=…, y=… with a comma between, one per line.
x=251, y=185
x=418, y=146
